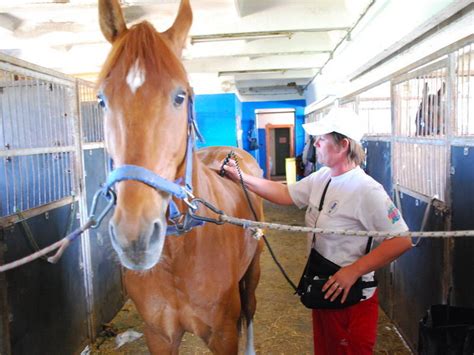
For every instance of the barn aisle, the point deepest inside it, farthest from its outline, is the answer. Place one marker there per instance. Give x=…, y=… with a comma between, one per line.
x=282, y=325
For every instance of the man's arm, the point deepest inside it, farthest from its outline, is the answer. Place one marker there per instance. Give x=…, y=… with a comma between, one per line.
x=270, y=190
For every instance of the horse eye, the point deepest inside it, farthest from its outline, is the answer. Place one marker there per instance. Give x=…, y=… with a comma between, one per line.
x=101, y=100
x=179, y=98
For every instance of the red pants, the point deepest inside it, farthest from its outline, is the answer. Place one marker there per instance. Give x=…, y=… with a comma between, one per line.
x=347, y=331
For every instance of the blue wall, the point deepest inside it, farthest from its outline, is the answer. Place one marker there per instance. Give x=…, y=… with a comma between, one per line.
x=248, y=117
x=215, y=115
x=248, y=122
x=238, y=113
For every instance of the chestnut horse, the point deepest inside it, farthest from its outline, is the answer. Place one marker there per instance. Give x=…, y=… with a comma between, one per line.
x=203, y=281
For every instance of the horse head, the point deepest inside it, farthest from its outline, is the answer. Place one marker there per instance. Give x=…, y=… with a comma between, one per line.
x=144, y=91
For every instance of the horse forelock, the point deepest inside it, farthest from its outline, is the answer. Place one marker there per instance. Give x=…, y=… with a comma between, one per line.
x=142, y=54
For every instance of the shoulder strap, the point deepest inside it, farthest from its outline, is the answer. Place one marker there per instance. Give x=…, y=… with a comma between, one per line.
x=369, y=245
x=321, y=202
x=320, y=208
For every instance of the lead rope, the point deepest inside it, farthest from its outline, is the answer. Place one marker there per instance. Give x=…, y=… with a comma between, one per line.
x=222, y=172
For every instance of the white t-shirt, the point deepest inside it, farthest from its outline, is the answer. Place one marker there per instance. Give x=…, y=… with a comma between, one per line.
x=354, y=201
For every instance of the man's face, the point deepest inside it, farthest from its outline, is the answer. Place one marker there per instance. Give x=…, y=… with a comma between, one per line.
x=327, y=151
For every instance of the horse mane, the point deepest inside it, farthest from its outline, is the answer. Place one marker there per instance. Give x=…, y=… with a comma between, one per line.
x=143, y=43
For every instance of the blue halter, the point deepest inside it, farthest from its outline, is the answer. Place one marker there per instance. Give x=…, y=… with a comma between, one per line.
x=181, y=223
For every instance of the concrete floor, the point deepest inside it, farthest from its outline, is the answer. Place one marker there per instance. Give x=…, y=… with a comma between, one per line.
x=282, y=325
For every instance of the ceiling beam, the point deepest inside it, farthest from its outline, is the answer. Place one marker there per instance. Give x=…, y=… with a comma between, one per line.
x=271, y=54
x=38, y=2
x=258, y=55
x=9, y=21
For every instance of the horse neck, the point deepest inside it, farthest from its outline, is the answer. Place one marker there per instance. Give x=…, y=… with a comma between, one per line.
x=200, y=174
x=199, y=170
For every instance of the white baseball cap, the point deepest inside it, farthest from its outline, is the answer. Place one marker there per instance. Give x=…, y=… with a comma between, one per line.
x=341, y=120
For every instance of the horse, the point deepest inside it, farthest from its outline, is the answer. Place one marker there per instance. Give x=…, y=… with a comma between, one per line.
x=429, y=119
x=204, y=280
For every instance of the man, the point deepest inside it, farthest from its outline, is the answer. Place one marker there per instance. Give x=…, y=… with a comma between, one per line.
x=355, y=201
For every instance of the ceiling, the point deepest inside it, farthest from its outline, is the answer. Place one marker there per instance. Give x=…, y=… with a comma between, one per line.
x=258, y=48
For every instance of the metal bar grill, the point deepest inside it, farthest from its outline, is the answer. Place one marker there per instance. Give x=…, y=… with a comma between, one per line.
x=36, y=141
x=350, y=104
x=420, y=167
x=374, y=109
x=422, y=105
x=465, y=91
x=420, y=149
x=91, y=114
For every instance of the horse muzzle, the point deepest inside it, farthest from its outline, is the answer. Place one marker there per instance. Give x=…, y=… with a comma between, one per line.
x=138, y=251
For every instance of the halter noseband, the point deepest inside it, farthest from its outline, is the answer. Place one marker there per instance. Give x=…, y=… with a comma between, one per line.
x=180, y=223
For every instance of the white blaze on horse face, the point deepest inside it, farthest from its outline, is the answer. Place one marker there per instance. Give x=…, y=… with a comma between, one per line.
x=135, y=77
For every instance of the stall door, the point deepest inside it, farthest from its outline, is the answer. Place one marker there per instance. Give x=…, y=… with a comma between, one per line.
x=282, y=149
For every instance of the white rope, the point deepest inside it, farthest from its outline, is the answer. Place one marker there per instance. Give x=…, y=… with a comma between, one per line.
x=246, y=223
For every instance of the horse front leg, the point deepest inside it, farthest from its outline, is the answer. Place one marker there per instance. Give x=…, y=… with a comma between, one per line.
x=163, y=344
x=222, y=336
x=163, y=331
x=225, y=340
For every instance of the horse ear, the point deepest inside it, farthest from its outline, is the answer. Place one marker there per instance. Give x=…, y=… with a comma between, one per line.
x=178, y=32
x=112, y=23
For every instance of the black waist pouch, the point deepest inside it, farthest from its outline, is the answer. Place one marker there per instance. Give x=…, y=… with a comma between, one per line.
x=316, y=273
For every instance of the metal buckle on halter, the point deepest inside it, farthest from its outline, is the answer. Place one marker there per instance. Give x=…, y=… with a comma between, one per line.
x=189, y=203
x=209, y=206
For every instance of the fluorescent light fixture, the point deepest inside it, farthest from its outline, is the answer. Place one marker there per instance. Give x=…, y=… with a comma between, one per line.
x=219, y=38
x=260, y=35
x=34, y=2
x=148, y=2
x=262, y=71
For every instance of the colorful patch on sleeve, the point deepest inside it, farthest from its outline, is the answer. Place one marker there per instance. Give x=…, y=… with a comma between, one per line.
x=393, y=214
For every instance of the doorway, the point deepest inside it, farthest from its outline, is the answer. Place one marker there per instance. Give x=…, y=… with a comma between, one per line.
x=276, y=129
x=279, y=146
x=282, y=150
